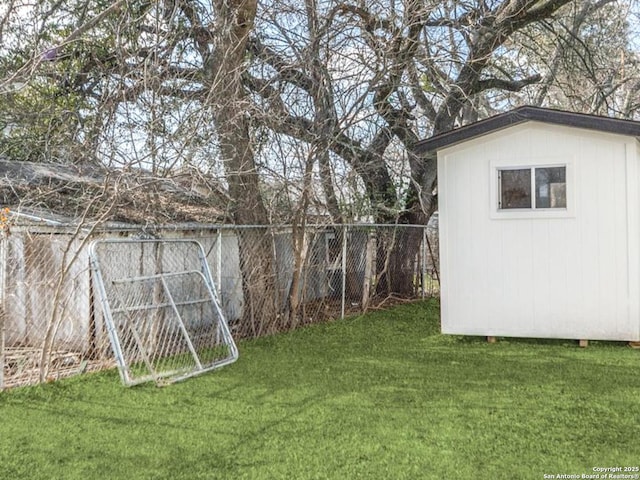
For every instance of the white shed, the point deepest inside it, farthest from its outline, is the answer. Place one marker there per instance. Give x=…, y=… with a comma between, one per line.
x=540, y=226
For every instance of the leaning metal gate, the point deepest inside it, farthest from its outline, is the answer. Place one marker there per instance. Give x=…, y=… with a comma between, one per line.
x=160, y=309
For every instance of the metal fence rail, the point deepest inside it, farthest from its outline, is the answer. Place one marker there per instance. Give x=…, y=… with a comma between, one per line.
x=266, y=279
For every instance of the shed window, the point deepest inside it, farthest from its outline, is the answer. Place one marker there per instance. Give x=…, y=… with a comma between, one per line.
x=532, y=187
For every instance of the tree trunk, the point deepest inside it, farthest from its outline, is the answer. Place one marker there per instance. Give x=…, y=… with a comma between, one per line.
x=231, y=107
x=397, y=256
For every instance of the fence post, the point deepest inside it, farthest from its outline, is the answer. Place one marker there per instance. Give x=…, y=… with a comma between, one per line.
x=344, y=268
x=219, y=264
x=3, y=287
x=368, y=269
x=424, y=261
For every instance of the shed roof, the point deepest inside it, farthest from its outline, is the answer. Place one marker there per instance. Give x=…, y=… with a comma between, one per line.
x=67, y=194
x=525, y=114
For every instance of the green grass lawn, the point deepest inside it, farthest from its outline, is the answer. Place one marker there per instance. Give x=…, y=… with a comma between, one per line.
x=383, y=396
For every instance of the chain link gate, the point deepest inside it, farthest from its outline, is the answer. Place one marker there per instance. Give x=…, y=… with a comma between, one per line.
x=160, y=309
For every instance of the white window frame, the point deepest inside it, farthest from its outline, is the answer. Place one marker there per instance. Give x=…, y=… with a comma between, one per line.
x=518, y=164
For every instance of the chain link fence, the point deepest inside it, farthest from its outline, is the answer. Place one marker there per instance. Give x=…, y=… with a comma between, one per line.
x=267, y=280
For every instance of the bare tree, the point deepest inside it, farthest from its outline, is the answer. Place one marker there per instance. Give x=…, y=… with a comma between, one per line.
x=152, y=75
x=411, y=69
x=223, y=86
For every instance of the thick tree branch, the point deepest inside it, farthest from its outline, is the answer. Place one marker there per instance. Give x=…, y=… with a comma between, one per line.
x=493, y=31
x=418, y=93
x=286, y=71
x=502, y=84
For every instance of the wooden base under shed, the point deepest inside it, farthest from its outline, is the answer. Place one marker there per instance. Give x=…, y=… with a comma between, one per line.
x=582, y=343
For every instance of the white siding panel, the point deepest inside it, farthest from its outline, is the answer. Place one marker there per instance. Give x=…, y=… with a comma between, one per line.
x=459, y=215
x=517, y=277
x=633, y=223
x=559, y=265
x=478, y=248
x=541, y=277
x=443, y=241
x=541, y=248
x=633, y=220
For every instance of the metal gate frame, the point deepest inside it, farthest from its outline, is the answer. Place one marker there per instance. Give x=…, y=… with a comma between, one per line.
x=223, y=332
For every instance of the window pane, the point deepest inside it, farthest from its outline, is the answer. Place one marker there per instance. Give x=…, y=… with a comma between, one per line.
x=515, y=188
x=551, y=187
